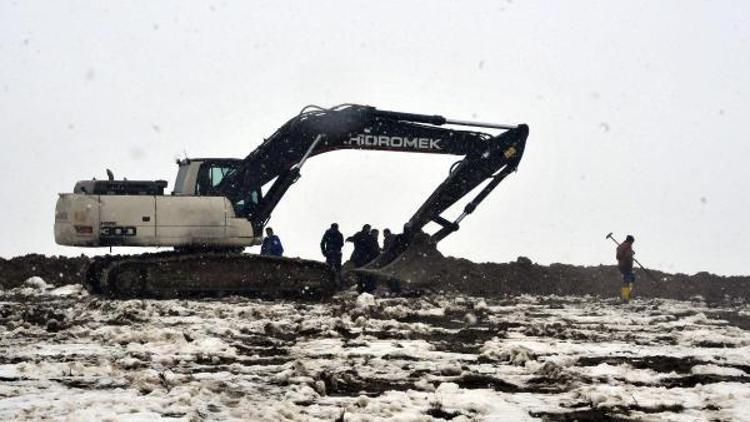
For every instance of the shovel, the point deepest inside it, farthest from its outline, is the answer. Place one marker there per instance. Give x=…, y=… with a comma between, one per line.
x=648, y=273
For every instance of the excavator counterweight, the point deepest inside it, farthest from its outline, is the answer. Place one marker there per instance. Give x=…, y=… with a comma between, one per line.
x=218, y=206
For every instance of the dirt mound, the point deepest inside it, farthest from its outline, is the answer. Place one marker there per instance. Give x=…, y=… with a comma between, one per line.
x=56, y=270
x=423, y=268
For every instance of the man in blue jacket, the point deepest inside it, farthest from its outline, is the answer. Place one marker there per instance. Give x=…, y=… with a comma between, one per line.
x=271, y=244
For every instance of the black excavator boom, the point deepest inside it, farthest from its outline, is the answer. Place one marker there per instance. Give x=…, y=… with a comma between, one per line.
x=486, y=158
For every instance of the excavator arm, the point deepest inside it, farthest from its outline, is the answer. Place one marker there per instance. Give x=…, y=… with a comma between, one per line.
x=317, y=130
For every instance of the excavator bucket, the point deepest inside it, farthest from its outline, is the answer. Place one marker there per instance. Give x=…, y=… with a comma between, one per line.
x=404, y=269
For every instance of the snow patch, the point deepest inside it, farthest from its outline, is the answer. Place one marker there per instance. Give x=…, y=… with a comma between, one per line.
x=69, y=290
x=37, y=283
x=717, y=370
x=365, y=301
x=514, y=354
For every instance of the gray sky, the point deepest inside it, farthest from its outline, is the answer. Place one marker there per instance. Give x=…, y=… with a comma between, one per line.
x=637, y=113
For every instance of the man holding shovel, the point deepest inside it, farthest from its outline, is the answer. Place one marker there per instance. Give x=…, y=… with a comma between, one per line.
x=625, y=265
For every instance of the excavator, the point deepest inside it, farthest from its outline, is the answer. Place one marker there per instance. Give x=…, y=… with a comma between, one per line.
x=218, y=206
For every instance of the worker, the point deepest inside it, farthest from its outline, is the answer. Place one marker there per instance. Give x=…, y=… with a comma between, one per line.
x=625, y=265
x=373, y=245
x=271, y=244
x=387, y=239
x=360, y=240
x=330, y=246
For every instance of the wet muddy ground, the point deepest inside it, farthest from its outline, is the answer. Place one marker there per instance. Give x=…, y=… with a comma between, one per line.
x=65, y=354
x=422, y=268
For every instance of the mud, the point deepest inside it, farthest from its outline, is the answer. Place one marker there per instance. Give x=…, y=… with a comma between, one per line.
x=440, y=413
x=55, y=270
x=422, y=269
x=588, y=415
x=606, y=414
x=438, y=357
x=663, y=364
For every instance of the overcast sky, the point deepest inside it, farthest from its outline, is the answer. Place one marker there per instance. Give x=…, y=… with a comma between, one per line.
x=638, y=113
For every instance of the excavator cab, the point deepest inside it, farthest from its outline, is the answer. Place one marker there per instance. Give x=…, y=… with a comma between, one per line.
x=199, y=176
x=202, y=176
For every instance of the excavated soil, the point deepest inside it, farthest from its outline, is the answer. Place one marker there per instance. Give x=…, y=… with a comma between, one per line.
x=55, y=270
x=422, y=268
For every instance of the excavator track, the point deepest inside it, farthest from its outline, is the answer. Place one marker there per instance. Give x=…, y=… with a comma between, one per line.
x=177, y=275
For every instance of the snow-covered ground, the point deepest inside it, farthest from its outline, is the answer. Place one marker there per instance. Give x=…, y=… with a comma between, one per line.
x=70, y=356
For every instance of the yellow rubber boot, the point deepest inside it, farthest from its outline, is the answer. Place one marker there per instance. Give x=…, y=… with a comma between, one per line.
x=630, y=292
x=625, y=293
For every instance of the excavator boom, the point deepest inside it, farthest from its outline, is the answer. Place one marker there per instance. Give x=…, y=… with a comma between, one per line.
x=316, y=131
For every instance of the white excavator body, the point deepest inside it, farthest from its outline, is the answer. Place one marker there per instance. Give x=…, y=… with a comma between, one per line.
x=96, y=215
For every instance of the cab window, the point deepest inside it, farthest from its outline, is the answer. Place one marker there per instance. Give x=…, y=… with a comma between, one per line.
x=209, y=178
x=246, y=207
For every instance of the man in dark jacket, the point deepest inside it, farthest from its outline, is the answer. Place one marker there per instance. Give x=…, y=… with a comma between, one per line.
x=330, y=246
x=373, y=245
x=271, y=244
x=387, y=239
x=625, y=265
x=361, y=241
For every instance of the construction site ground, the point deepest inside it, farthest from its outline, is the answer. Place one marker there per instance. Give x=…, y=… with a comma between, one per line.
x=423, y=268
x=514, y=341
